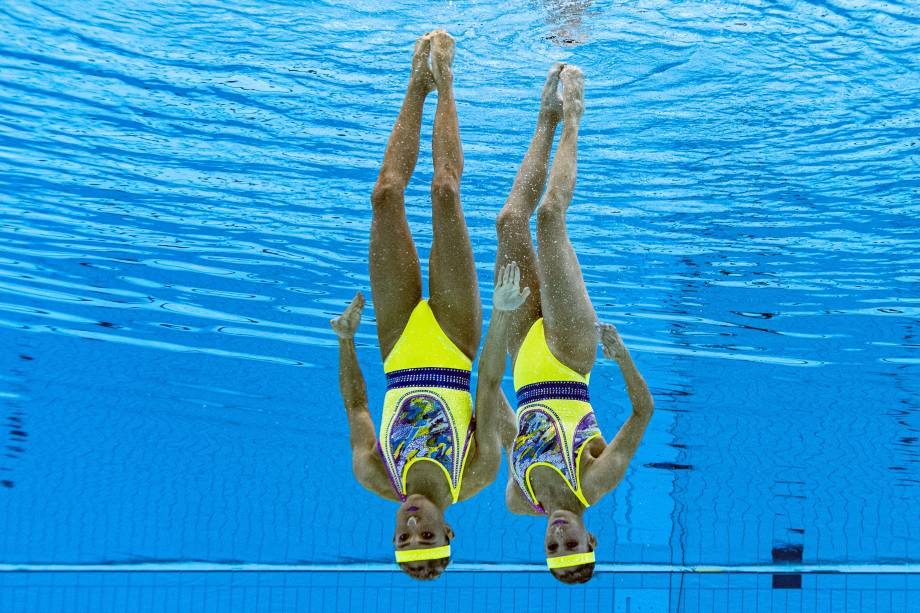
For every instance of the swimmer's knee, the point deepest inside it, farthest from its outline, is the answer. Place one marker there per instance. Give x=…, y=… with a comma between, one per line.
x=551, y=211
x=388, y=190
x=509, y=220
x=445, y=190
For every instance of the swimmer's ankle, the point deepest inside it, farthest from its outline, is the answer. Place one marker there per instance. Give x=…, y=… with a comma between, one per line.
x=444, y=82
x=420, y=86
x=549, y=117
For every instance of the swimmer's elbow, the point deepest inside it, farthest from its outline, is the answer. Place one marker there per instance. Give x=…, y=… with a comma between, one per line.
x=644, y=406
x=648, y=407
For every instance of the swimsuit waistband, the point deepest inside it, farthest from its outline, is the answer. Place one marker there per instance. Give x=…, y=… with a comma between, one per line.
x=451, y=378
x=552, y=390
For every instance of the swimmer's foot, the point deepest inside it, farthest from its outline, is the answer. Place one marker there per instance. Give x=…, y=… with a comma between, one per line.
x=421, y=73
x=442, y=57
x=550, y=99
x=573, y=93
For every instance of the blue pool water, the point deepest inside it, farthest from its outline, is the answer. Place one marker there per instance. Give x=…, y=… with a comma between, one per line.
x=184, y=203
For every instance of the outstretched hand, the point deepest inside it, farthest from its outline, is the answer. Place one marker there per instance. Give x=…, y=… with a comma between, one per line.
x=346, y=324
x=611, y=342
x=508, y=294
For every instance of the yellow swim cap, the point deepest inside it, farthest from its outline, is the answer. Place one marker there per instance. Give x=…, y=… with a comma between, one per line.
x=430, y=553
x=576, y=559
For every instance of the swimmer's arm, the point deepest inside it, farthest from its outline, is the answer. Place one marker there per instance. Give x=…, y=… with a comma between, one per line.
x=351, y=385
x=606, y=472
x=493, y=414
x=351, y=381
x=366, y=462
x=490, y=408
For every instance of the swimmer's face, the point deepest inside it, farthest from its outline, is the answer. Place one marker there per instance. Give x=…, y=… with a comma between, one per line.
x=566, y=535
x=420, y=525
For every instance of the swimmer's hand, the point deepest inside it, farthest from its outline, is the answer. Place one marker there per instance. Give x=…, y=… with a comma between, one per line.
x=346, y=324
x=508, y=294
x=611, y=342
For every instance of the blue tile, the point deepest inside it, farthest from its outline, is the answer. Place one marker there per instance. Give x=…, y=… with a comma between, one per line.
x=742, y=581
x=818, y=601
x=830, y=581
x=898, y=600
x=704, y=600
x=858, y=581
x=836, y=599
x=737, y=599
x=763, y=599
x=635, y=600
x=720, y=599
x=628, y=580
x=854, y=601
x=793, y=600
x=714, y=581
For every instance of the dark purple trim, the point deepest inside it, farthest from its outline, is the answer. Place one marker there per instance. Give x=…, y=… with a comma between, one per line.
x=449, y=378
x=552, y=390
x=397, y=486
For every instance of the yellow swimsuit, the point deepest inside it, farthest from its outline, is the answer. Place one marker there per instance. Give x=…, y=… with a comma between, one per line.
x=427, y=411
x=554, y=417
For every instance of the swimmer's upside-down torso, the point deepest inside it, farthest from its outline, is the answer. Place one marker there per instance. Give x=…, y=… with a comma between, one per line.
x=557, y=432
x=427, y=431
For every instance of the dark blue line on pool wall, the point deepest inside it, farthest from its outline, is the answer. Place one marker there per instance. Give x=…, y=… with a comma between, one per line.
x=16, y=438
x=790, y=581
x=788, y=537
x=788, y=554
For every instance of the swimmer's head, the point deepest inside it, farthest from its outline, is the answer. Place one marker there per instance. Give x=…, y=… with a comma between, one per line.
x=566, y=535
x=420, y=525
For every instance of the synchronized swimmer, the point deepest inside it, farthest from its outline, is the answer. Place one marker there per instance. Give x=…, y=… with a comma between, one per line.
x=430, y=452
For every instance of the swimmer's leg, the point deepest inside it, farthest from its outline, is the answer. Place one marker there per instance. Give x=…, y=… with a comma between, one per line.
x=452, y=273
x=396, y=278
x=513, y=223
x=569, y=316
